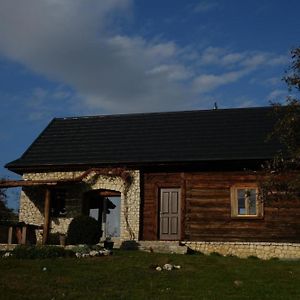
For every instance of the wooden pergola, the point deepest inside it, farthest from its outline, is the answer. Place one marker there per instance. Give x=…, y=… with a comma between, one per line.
x=47, y=184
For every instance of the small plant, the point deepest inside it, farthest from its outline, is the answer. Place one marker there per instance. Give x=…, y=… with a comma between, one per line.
x=231, y=256
x=274, y=258
x=191, y=251
x=39, y=252
x=84, y=230
x=253, y=257
x=215, y=254
x=82, y=249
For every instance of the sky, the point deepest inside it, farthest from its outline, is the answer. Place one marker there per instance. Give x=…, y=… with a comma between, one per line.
x=62, y=58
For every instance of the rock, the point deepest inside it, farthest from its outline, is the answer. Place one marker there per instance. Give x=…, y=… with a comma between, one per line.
x=78, y=255
x=94, y=253
x=238, y=282
x=167, y=267
x=44, y=269
x=7, y=254
x=158, y=268
x=105, y=252
x=176, y=267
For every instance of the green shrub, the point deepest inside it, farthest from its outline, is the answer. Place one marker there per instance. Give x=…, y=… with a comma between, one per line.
x=215, y=254
x=53, y=238
x=39, y=252
x=252, y=257
x=82, y=249
x=84, y=230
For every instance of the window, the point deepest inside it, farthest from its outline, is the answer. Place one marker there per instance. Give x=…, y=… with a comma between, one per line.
x=245, y=202
x=58, y=203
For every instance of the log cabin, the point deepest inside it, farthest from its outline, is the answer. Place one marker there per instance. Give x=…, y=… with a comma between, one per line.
x=186, y=177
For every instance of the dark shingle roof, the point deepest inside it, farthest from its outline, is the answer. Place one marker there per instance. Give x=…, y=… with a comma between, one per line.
x=205, y=135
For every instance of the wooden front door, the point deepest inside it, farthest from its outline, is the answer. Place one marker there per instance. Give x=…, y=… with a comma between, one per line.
x=169, y=214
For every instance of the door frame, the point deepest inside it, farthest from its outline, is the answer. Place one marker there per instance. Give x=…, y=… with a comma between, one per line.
x=161, y=189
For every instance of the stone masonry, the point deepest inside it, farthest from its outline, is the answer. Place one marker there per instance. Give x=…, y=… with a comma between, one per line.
x=245, y=249
x=32, y=200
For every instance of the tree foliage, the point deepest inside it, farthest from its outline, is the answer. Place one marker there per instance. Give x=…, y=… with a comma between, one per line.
x=6, y=214
x=282, y=178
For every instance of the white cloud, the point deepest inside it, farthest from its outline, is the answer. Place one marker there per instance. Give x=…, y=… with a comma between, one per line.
x=78, y=45
x=208, y=82
x=43, y=103
x=205, y=6
x=248, y=59
x=173, y=72
x=232, y=58
x=71, y=42
x=277, y=95
x=272, y=81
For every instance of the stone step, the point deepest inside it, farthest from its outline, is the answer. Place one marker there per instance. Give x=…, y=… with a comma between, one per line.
x=162, y=247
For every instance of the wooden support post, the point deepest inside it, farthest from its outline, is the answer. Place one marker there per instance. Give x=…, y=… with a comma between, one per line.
x=46, y=216
x=24, y=233
x=10, y=234
x=103, y=225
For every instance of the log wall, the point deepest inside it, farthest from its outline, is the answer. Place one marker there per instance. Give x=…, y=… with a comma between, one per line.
x=206, y=209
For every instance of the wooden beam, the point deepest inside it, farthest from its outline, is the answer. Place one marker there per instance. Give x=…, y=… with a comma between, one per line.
x=24, y=233
x=104, y=171
x=10, y=235
x=21, y=183
x=46, y=216
x=109, y=193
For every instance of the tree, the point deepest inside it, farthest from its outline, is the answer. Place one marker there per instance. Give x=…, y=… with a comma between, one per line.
x=282, y=178
x=6, y=214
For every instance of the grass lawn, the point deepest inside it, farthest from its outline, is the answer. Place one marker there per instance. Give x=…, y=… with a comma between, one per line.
x=130, y=275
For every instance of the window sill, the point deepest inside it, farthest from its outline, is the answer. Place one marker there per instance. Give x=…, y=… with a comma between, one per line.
x=248, y=217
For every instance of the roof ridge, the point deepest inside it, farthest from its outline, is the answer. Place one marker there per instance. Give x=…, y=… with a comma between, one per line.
x=160, y=113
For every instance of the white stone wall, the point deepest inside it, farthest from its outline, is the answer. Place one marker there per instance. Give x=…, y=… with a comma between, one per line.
x=244, y=250
x=32, y=200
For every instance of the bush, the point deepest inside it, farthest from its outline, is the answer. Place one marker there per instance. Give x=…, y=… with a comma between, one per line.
x=82, y=249
x=53, y=238
x=39, y=252
x=215, y=254
x=84, y=230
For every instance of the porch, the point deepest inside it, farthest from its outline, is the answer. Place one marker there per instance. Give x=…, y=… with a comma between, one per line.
x=51, y=200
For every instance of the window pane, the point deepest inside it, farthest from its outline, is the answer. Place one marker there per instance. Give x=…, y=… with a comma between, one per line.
x=252, y=202
x=241, y=202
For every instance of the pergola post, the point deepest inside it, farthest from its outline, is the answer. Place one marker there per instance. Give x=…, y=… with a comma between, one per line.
x=46, y=216
x=10, y=235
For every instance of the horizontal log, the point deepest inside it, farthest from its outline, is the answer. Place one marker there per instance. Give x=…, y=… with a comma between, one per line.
x=222, y=203
x=192, y=192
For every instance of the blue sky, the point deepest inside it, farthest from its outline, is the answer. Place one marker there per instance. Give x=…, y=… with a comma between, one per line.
x=84, y=57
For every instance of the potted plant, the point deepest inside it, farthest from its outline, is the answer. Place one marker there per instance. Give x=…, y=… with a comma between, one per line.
x=108, y=243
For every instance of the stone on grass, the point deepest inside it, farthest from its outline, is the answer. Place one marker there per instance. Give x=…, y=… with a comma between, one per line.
x=105, y=252
x=176, y=267
x=168, y=267
x=158, y=268
x=94, y=253
x=238, y=282
x=7, y=254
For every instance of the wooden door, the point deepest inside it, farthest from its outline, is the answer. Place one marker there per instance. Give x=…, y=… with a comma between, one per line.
x=169, y=214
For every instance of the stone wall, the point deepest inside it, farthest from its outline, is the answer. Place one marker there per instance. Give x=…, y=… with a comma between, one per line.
x=32, y=200
x=246, y=249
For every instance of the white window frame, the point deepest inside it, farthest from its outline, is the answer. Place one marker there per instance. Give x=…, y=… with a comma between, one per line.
x=234, y=202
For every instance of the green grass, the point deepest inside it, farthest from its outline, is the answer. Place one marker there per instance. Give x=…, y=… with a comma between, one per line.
x=130, y=275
